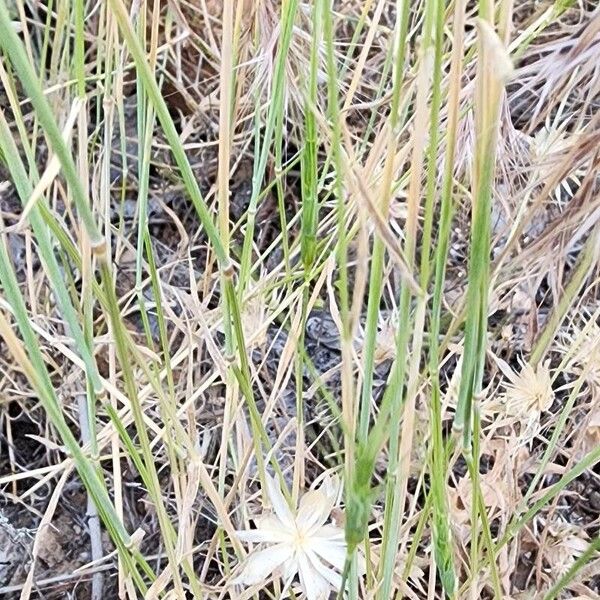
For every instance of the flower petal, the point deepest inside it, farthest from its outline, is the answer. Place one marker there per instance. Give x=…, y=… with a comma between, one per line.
x=315, y=586
x=362, y=563
x=280, y=506
x=333, y=578
x=331, y=486
x=332, y=533
x=268, y=529
x=258, y=536
x=268, y=521
x=315, y=508
x=290, y=568
x=334, y=554
x=260, y=565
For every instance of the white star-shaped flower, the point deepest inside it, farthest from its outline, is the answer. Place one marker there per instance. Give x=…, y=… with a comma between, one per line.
x=300, y=542
x=527, y=394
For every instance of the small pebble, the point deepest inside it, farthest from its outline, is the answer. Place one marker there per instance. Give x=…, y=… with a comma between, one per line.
x=595, y=500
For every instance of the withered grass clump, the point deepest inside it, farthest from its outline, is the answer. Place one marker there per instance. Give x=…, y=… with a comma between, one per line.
x=253, y=245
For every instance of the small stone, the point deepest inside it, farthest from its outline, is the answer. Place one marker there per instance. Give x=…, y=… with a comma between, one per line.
x=595, y=500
